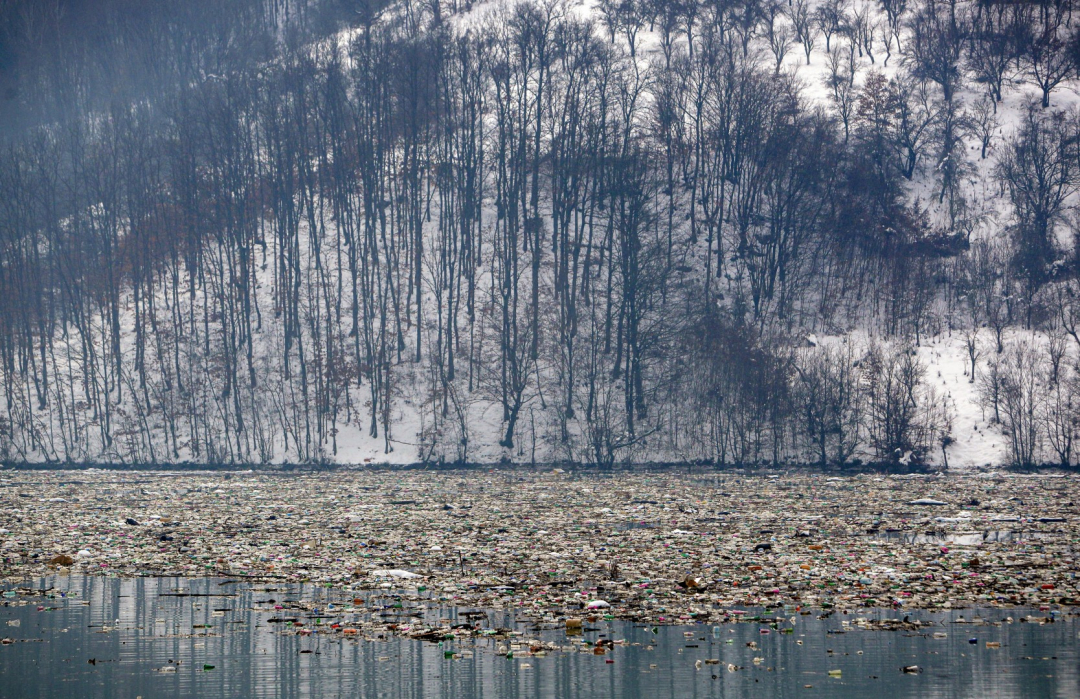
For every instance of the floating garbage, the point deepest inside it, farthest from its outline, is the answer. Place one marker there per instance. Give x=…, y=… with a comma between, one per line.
x=400, y=574
x=678, y=547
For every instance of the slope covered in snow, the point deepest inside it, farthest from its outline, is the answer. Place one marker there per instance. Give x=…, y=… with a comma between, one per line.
x=756, y=233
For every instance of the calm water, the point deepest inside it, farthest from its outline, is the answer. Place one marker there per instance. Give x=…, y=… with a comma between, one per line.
x=133, y=628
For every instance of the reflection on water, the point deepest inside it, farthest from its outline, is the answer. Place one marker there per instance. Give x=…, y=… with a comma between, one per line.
x=99, y=637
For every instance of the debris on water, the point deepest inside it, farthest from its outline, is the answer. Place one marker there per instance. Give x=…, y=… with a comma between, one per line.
x=396, y=573
x=692, y=582
x=651, y=548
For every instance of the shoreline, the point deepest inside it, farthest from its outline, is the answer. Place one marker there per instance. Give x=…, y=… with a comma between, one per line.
x=696, y=468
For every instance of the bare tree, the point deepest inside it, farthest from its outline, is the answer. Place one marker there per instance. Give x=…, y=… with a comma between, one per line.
x=830, y=402
x=982, y=123
x=1039, y=171
x=994, y=47
x=905, y=419
x=780, y=37
x=844, y=93
x=935, y=47
x=806, y=29
x=1048, y=61
x=1014, y=388
x=829, y=17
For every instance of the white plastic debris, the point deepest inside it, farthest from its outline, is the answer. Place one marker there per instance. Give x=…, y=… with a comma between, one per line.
x=396, y=573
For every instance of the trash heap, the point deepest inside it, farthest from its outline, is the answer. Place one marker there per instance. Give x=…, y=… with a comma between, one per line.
x=565, y=547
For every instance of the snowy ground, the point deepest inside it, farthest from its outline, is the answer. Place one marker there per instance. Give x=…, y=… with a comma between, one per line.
x=977, y=443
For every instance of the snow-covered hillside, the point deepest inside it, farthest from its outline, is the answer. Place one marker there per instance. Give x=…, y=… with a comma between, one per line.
x=758, y=233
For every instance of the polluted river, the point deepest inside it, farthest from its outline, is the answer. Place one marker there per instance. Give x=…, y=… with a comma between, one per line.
x=543, y=583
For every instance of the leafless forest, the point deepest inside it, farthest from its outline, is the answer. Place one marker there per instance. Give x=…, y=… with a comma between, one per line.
x=254, y=231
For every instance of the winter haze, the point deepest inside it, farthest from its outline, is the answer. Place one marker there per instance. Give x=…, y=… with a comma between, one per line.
x=756, y=232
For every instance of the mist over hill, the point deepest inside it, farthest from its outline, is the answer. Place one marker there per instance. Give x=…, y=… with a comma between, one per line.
x=751, y=232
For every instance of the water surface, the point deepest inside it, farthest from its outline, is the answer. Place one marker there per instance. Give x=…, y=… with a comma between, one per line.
x=105, y=637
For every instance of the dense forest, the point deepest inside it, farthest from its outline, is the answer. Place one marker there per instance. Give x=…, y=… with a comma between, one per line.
x=708, y=231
